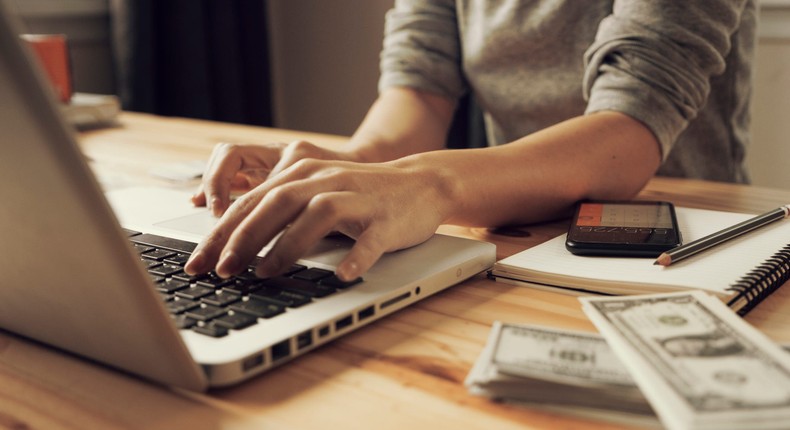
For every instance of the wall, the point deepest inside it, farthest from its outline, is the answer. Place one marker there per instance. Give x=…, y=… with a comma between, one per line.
x=325, y=54
x=86, y=23
x=325, y=61
x=770, y=150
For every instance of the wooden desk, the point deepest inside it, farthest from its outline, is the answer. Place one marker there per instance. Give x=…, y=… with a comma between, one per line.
x=403, y=372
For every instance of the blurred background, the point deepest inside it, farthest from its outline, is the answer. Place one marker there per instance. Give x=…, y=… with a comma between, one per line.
x=301, y=64
x=308, y=65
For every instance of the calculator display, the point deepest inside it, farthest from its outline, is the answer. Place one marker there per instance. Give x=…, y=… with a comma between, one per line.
x=624, y=215
x=623, y=228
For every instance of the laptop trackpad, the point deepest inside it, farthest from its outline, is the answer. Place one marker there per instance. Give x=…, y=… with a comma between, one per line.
x=162, y=211
x=199, y=223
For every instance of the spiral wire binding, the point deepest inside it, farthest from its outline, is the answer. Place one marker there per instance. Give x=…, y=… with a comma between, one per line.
x=763, y=280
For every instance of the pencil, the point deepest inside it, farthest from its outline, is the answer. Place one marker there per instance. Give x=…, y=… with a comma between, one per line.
x=676, y=254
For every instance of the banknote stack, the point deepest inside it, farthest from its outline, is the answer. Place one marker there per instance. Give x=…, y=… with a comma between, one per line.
x=698, y=364
x=557, y=369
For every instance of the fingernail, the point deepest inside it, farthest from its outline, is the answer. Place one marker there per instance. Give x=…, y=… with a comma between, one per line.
x=195, y=264
x=229, y=264
x=216, y=206
x=348, y=271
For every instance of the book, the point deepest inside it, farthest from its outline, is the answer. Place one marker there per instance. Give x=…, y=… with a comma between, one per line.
x=741, y=272
x=86, y=110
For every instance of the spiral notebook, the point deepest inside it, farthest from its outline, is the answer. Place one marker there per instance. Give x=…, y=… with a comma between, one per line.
x=742, y=271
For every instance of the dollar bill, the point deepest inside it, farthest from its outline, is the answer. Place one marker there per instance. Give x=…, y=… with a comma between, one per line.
x=699, y=365
x=556, y=368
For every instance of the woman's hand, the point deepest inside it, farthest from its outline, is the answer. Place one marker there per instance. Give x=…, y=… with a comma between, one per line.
x=384, y=206
x=305, y=191
x=244, y=167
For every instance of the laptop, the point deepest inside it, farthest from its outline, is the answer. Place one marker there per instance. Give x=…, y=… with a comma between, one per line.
x=91, y=273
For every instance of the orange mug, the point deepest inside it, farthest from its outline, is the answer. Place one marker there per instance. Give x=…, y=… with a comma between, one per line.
x=53, y=54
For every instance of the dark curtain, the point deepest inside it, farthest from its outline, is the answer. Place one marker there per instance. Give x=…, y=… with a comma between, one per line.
x=204, y=59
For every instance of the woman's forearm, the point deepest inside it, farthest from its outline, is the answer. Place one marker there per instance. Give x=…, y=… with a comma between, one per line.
x=402, y=122
x=605, y=155
x=602, y=155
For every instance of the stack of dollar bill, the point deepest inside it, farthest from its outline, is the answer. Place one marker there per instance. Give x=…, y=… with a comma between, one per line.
x=686, y=356
x=699, y=364
x=556, y=369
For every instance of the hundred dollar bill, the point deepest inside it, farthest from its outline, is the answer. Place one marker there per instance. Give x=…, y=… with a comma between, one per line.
x=552, y=367
x=699, y=365
x=561, y=355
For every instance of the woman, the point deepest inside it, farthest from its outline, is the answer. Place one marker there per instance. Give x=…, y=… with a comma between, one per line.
x=582, y=100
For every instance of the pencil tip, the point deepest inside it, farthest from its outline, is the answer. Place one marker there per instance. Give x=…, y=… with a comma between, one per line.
x=663, y=260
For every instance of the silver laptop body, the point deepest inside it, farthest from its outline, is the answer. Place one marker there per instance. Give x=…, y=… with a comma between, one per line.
x=71, y=279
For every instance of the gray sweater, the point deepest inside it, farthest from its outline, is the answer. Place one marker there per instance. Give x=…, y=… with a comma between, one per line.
x=682, y=67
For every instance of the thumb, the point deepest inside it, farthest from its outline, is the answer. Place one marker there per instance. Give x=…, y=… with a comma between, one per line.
x=368, y=249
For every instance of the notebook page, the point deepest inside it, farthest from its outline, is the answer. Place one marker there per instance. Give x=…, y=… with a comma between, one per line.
x=713, y=270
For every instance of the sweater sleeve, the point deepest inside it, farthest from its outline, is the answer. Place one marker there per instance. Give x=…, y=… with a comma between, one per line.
x=422, y=49
x=654, y=59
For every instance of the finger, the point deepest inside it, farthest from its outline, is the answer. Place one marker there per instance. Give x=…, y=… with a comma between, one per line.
x=225, y=163
x=207, y=253
x=269, y=217
x=322, y=215
x=199, y=197
x=294, y=152
x=240, y=182
x=257, y=217
x=368, y=249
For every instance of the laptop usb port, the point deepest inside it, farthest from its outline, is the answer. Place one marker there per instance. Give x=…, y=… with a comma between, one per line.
x=252, y=362
x=304, y=340
x=323, y=331
x=366, y=313
x=343, y=322
x=281, y=350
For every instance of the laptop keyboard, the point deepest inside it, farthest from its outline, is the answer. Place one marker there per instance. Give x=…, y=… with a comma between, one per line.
x=213, y=306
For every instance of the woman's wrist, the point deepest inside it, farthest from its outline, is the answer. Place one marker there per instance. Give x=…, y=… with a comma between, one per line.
x=361, y=152
x=440, y=182
x=371, y=147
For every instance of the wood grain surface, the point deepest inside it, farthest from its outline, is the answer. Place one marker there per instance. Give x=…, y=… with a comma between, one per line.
x=405, y=371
